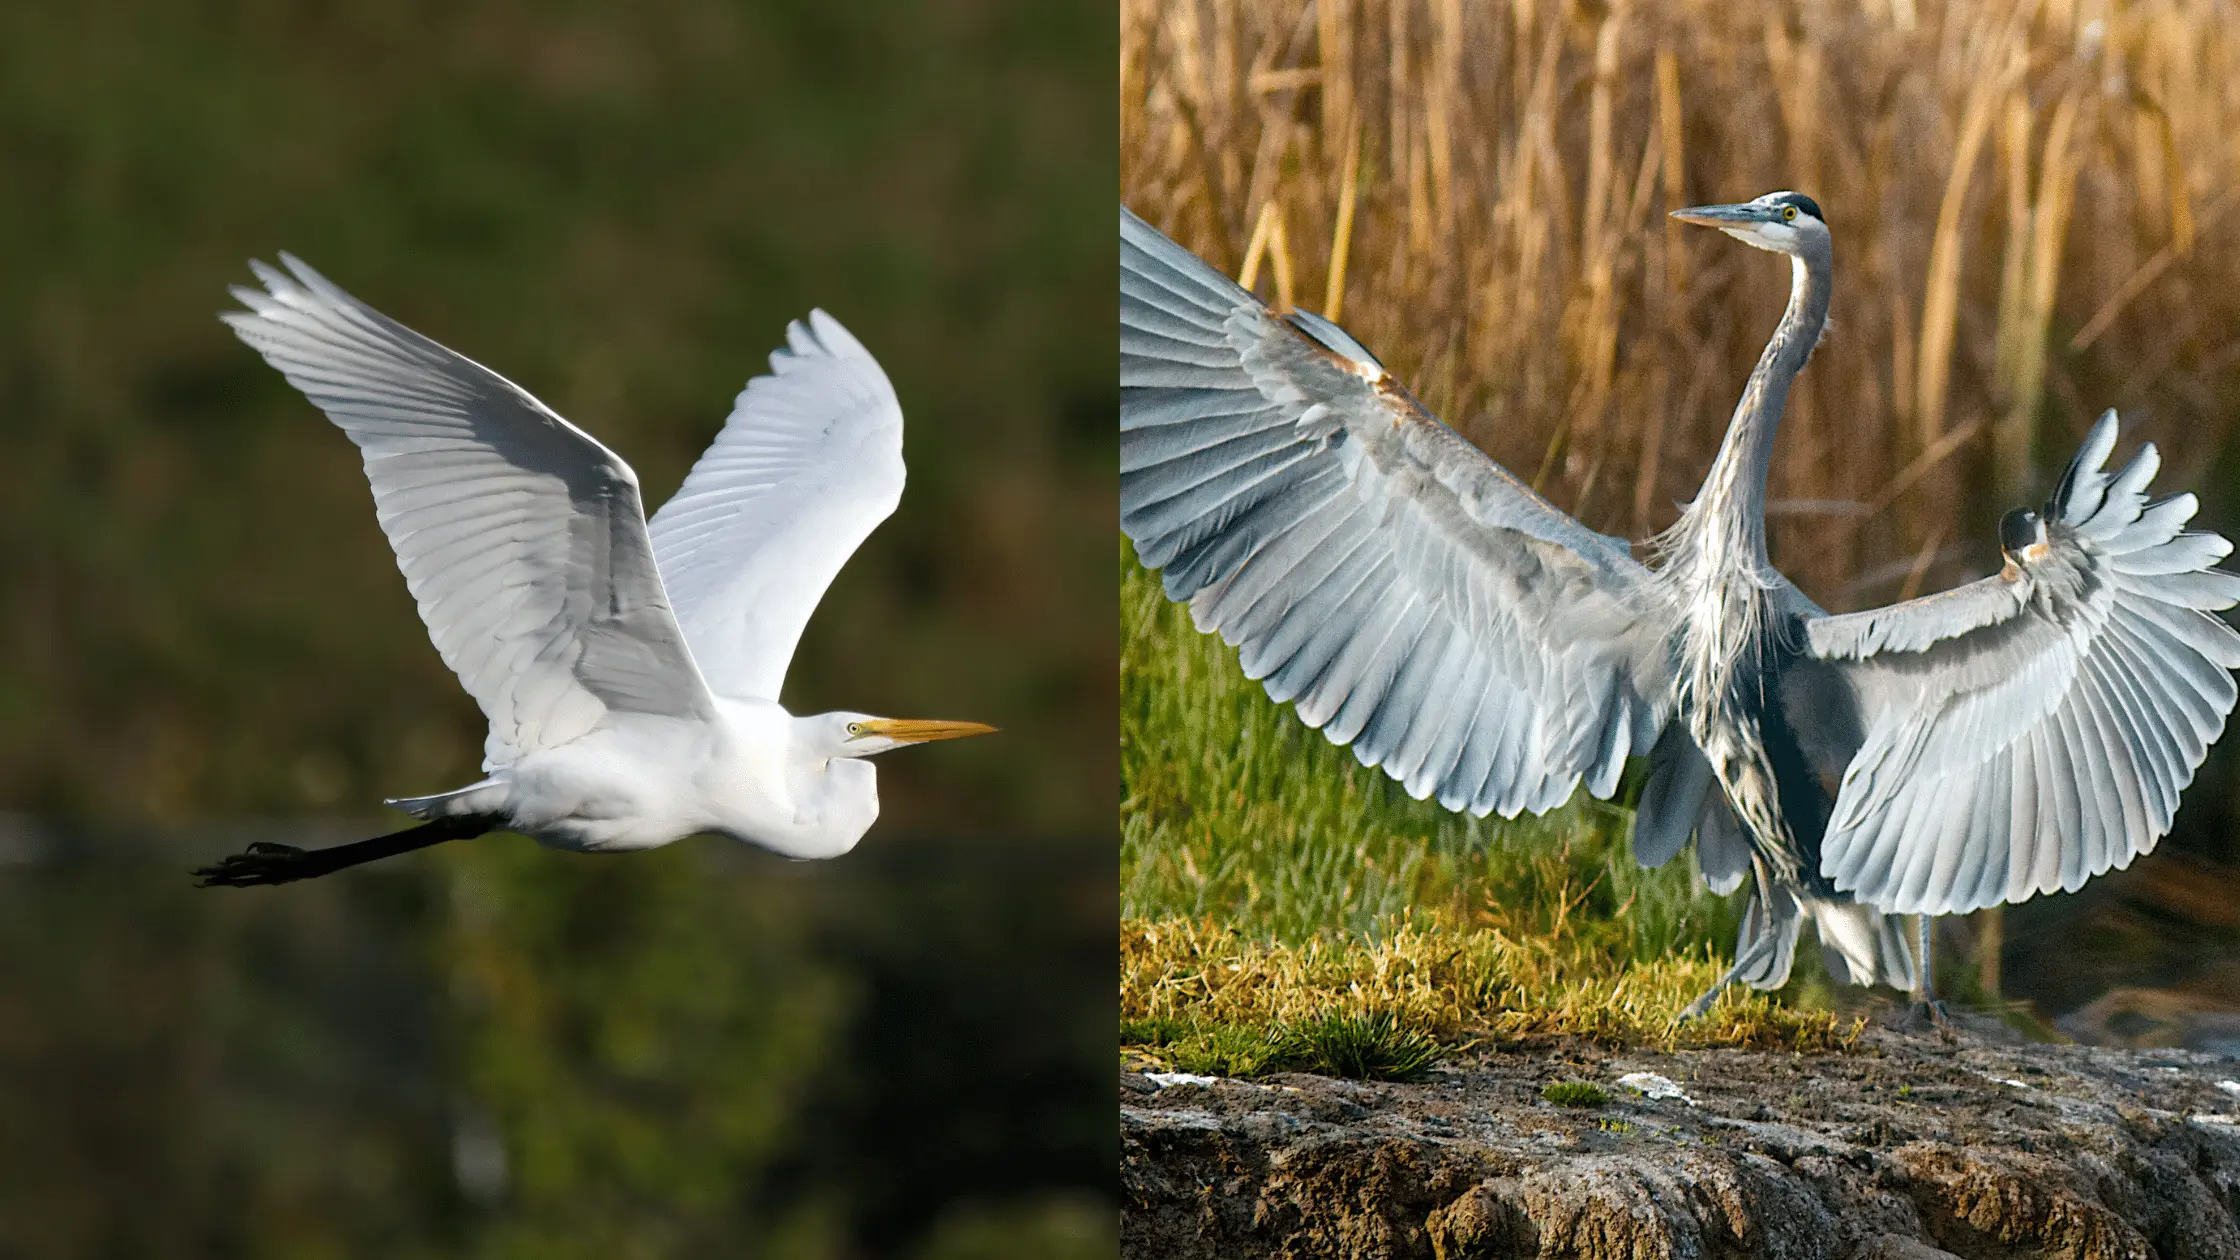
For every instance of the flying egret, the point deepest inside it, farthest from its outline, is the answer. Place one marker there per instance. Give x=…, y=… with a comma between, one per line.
x=629, y=669
x=1413, y=599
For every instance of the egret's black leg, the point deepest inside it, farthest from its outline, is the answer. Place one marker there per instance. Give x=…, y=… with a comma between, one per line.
x=267, y=863
x=1927, y=1013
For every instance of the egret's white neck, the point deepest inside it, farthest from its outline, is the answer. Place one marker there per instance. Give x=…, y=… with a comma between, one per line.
x=835, y=801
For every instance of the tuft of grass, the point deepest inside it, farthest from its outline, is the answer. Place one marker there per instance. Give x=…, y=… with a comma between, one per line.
x=1365, y=1045
x=1574, y=1093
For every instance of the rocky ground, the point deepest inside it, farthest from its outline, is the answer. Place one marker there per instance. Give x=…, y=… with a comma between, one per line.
x=1905, y=1148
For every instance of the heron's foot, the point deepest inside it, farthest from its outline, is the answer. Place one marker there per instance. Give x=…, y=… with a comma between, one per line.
x=260, y=863
x=1924, y=1017
x=1696, y=1009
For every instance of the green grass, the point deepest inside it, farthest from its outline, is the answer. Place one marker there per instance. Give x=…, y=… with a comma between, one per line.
x=1269, y=881
x=1232, y=809
x=1367, y=1046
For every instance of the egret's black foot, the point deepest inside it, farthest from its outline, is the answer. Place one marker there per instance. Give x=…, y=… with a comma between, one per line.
x=261, y=863
x=267, y=863
x=1924, y=1018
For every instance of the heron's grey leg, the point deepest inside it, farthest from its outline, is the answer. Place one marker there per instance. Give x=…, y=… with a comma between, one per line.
x=1924, y=978
x=1927, y=1012
x=1742, y=962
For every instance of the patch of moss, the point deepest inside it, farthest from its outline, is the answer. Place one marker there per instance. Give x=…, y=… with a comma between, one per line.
x=1574, y=1093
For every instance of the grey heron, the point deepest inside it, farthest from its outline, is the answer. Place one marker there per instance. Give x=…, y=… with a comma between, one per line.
x=629, y=668
x=1415, y=601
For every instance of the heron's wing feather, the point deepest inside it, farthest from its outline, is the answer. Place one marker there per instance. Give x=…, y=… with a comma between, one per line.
x=806, y=467
x=522, y=538
x=2029, y=731
x=1413, y=599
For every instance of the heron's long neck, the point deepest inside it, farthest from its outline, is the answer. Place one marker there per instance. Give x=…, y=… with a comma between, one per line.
x=1724, y=529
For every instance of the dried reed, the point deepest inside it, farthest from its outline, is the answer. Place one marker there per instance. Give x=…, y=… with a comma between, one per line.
x=2027, y=199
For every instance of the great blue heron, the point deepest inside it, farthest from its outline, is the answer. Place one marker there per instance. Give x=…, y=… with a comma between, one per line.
x=629, y=669
x=1415, y=601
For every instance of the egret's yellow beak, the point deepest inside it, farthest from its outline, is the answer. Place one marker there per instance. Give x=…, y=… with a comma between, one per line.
x=923, y=730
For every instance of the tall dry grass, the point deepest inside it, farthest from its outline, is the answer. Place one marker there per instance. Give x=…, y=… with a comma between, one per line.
x=2031, y=204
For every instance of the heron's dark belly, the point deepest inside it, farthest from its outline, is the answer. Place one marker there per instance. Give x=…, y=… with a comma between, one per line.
x=1767, y=754
x=1804, y=797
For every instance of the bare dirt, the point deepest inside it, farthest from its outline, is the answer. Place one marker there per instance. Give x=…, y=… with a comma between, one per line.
x=1904, y=1148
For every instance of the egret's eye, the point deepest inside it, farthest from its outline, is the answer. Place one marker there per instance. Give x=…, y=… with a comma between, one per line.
x=854, y=729
x=1788, y=214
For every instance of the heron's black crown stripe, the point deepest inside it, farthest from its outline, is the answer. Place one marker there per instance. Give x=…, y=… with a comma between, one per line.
x=1801, y=202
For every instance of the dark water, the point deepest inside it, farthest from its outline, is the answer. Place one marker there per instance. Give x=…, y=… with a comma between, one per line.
x=500, y=1050
x=2148, y=956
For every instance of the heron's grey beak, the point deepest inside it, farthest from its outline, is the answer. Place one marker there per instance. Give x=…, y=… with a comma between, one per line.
x=1724, y=216
x=923, y=730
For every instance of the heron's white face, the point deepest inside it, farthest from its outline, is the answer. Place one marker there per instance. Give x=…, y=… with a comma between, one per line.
x=862, y=735
x=1774, y=222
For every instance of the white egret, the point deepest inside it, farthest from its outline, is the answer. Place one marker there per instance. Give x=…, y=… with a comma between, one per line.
x=629, y=669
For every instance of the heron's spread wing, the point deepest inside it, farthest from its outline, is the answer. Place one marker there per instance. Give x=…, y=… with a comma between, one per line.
x=1412, y=598
x=808, y=464
x=521, y=537
x=2029, y=731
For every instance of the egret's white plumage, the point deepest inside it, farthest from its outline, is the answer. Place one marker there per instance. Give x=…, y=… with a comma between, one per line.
x=808, y=464
x=630, y=673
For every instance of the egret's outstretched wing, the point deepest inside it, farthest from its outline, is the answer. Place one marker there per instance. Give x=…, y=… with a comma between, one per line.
x=806, y=467
x=2029, y=731
x=522, y=538
x=1411, y=597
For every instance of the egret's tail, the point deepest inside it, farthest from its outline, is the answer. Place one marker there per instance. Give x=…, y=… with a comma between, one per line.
x=487, y=797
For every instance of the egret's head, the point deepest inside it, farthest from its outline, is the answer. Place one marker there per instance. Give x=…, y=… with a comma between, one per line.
x=862, y=735
x=1784, y=222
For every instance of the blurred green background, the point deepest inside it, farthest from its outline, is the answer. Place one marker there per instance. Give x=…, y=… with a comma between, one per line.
x=495, y=1050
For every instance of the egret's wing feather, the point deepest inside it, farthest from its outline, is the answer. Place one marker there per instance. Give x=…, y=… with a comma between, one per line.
x=1413, y=599
x=2024, y=733
x=522, y=538
x=806, y=467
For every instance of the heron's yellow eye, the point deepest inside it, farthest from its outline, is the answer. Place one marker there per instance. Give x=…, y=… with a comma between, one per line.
x=1788, y=214
x=854, y=729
